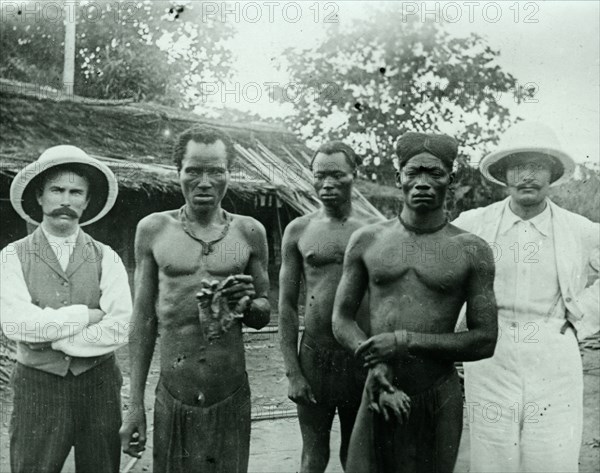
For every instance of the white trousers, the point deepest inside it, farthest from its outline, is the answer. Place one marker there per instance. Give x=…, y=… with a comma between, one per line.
x=525, y=404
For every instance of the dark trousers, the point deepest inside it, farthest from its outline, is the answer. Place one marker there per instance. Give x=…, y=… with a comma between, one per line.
x=51, y=414
x=427, y=443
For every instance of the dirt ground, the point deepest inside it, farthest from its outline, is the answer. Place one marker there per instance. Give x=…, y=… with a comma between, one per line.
x=276, y=441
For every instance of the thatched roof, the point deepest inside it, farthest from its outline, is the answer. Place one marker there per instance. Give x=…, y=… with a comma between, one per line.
x=135, y=140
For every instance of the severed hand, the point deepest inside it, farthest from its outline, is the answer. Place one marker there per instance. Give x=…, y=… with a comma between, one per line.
x=377, y=382
x=214, y=307
x=394, y=404
x=238, y=287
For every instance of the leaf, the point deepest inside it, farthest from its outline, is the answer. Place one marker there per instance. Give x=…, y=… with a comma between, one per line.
x=438, y=79
x=460, y=192
x=118, y=55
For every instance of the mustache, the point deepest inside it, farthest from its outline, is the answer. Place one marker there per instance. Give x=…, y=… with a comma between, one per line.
x=63, y=211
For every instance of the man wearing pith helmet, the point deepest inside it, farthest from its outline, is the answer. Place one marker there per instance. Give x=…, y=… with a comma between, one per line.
x=527, y=400
x=65, y=300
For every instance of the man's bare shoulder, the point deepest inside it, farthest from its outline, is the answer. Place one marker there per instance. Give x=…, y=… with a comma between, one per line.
x=249, y=226
x=371, y=231
x=366, y=218
x=296, y=227
x=153, y=223
x=472, y=244
x=464, y=236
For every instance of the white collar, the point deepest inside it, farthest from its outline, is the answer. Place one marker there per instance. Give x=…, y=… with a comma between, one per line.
x=71, y=239
x=541, y=222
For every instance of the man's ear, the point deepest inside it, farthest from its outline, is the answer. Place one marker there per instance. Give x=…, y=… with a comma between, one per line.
x=398, y=179
x=452, y=178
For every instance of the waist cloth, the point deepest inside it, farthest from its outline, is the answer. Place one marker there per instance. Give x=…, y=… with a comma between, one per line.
x=428, y=442
x=191, y=439
x=334, y=375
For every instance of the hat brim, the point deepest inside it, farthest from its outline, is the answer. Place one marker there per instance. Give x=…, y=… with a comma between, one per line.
x=492, y=171
x=103, y=184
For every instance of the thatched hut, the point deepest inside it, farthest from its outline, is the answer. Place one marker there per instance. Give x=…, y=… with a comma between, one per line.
x=271, y=180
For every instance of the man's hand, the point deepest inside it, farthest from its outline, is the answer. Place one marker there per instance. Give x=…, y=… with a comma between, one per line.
x=395, y=404
x=377, y=382
x=300, y=392
x=133, y=432
x=243, y=305
x=568, y=325
x=95, y=315
x=377, y=349
x=243, y=287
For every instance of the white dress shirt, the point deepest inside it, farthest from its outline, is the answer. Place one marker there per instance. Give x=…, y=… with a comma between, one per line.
x=62, y=246
x=21, y=320
x=527, y=285
x=534, y=381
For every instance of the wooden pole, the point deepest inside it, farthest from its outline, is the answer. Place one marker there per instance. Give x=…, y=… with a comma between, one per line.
x=70, y=15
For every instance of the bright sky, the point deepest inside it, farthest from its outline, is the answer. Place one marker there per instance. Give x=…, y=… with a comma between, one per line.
x=554, y=45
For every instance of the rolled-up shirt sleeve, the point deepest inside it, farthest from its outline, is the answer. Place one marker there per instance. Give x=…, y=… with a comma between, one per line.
x=21, y=320
x=112, y=331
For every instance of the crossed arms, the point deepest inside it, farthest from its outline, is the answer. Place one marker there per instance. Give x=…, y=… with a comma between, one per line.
x=75, y=329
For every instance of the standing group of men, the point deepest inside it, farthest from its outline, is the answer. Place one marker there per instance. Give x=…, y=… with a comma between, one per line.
x=382, y=301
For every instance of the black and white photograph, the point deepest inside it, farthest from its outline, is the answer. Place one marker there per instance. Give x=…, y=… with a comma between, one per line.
x=299, y=236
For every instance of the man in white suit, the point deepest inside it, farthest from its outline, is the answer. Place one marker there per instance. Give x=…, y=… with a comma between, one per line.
x=525, y=404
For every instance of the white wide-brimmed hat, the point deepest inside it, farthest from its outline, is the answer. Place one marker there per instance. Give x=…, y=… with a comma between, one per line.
x=528, y=138
x=103, y=184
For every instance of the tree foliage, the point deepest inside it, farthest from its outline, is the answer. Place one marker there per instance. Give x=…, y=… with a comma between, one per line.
x=582, y=194
x=385, y=75
x=143, y=50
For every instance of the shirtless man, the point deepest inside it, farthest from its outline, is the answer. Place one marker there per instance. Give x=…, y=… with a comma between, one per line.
x=322, y=377
x=419, y=271
x=202, y=410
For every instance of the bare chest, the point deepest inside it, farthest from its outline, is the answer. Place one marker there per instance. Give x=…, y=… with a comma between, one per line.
x=177, y=254
x=440, y=266
x=324, y=244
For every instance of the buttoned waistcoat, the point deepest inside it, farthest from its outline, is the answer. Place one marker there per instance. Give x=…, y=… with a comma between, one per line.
x=50, y=286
